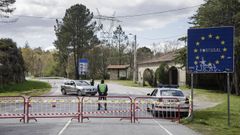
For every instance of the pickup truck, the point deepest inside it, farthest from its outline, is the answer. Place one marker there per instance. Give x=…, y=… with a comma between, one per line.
x=79, y=87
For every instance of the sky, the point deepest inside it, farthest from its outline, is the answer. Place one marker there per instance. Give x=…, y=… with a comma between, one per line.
x=149, y=29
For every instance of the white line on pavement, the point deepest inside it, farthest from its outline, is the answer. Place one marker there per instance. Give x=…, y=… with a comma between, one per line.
x=169, y=133
x=64, y=128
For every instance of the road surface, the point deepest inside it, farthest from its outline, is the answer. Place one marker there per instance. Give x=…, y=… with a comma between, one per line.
x=92, y=126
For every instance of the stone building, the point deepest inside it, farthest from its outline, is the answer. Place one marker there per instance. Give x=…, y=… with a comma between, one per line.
x=176, y=74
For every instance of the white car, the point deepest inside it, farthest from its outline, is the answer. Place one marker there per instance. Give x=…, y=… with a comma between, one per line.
x=79, y=87
x=169, y=99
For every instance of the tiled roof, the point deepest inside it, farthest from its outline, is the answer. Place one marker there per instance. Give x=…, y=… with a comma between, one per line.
x=117, y=66
x=164, y=58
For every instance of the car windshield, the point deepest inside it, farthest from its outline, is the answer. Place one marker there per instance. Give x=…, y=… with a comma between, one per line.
x=82, y=83
x=171, y=93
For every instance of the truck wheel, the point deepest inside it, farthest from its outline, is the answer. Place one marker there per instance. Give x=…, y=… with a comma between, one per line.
x=64, y=92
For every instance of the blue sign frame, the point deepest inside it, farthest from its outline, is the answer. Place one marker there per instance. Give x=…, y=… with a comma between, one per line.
x=83, y=60
x=210, y=50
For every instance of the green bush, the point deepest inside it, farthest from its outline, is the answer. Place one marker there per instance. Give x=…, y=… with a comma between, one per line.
x=162, y=75
x=148, y=76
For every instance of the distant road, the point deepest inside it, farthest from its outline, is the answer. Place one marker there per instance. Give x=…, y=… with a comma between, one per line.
x=114, y=89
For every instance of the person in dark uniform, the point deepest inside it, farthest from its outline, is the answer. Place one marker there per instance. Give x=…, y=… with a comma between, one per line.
x=92, y=82
x=102, y=92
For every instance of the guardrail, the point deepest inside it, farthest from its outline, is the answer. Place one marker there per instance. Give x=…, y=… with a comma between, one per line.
x=106, y=107
x=12, y=107
x=156, y=108
x=53, y=107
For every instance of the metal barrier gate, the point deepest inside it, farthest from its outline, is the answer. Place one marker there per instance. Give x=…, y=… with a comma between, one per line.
x=53, y=107
x=122, y=107
x=156, y=108
x=116, y=107
x=12, y=107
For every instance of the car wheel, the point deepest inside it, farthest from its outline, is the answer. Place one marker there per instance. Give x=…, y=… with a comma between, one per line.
x=79, y=93
x=148, y=109
x=155, y=113
x=64, y=92
x=183, y=114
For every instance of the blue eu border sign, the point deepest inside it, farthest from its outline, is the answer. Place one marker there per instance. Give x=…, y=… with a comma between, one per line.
x=210, y=50
x=83, y=66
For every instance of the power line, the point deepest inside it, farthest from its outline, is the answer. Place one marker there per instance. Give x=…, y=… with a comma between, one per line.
x=159, y=38
x=156, y=13
x=109, y=18
x=39, y=17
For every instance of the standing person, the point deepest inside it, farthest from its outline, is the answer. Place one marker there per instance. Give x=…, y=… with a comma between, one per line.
x=102, y=92
x=92, y=82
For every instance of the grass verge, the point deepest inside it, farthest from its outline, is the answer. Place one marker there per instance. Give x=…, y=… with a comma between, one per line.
x=213, y=121
x=29, y=88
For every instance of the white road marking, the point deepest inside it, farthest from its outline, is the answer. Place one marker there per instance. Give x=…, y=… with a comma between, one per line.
x=64, y=128
x=169, y=133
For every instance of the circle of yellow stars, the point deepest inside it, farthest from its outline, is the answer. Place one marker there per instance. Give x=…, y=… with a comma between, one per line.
x=210, y=36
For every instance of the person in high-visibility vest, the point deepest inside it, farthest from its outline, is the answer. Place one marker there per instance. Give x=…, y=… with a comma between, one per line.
x=102, y=92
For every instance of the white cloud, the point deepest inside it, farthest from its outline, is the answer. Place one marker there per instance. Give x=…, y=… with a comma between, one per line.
x=50, y=48
x=40, y=32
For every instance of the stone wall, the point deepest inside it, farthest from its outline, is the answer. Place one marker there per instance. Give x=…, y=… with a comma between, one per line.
x=154, y=66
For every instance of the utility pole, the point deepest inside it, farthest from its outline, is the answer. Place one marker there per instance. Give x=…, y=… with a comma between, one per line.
x=1, y=78
x=135, y=59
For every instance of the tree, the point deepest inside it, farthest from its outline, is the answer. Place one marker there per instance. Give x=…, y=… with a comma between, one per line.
x=181, y=54
x=222, y=13
x=12, y=64
x=63, y=46
x=144, y=53
x=183, y=39
x=75, y=31
x=5, y=7
x=26, y=53
x=99, y=56
x=162, y=75
x=39, y=62
x=170, y=46
x=148, y=75
x=121, y=41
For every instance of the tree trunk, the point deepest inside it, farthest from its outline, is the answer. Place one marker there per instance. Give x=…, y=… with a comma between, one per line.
x=75, y=62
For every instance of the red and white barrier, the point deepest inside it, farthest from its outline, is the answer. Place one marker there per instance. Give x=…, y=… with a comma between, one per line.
x=87, y=107
x=12, y=107
x=53, y=107
x=156, y=108
x=116, y=107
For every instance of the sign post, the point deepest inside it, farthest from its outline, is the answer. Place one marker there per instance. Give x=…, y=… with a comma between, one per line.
x=191, y=95
x=228, y=98
x=210, y=50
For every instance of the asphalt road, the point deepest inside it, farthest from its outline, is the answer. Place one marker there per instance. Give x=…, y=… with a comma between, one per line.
x=65, y=126
x=113, y=88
